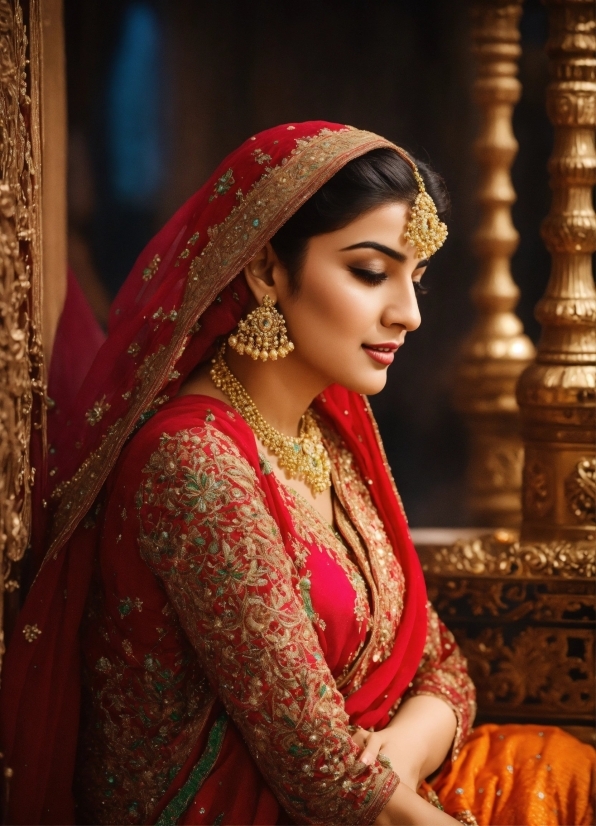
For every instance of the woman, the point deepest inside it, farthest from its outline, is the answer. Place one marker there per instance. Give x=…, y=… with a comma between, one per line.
x=228, y=552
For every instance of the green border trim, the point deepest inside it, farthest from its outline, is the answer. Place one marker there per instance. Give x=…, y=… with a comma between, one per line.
x=180, y=803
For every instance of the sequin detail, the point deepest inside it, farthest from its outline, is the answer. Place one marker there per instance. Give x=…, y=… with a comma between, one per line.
x=206, y=532
x=176, y=807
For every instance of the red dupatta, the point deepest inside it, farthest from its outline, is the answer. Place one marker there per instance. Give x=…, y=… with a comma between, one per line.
x=183, y=293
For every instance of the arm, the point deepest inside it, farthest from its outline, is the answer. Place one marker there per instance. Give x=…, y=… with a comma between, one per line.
x=435, y=715
x=206, y=532
x=416, y=741
x=406, y=808
x=443, y=674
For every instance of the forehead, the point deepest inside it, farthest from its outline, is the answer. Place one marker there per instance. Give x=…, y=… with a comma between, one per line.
x=385, y=224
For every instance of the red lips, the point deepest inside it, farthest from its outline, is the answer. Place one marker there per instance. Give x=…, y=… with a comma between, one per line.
x=382, y=353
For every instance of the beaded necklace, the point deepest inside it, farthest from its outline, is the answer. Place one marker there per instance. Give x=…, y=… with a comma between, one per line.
x=302, y=458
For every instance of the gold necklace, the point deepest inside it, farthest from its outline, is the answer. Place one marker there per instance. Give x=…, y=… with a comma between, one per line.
x=302, y=458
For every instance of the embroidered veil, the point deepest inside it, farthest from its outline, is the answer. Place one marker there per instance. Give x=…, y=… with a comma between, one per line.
x=182, y=295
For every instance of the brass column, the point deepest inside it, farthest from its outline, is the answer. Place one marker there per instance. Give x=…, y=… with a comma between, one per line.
x=497, y=350
x=556, y=393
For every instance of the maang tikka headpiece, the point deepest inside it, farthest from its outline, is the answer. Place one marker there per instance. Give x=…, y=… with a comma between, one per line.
x=425, y=231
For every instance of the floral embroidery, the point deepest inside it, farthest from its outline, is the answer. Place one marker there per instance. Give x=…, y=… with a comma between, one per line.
x=160, y=315
x=219, y=554
x=127, y=605
x=223, y=558
x=146, y=714
x=260, y=156
x=223, y=184
x=362, y=529
x=443, y=673
x=31, y=632
x=150, y=270
x=304, y=588
x=190, y=243
x=96, y=413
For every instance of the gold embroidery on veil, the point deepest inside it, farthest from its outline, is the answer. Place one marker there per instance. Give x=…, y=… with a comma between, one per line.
x=267, y=205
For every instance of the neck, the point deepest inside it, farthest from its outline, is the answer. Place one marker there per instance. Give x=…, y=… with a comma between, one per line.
x=282, y=390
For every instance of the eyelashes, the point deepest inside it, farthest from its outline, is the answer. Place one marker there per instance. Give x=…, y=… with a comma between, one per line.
x=369, y=276
x=374, y=277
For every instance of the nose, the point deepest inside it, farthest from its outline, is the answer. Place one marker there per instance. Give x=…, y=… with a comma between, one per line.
x=402, y=308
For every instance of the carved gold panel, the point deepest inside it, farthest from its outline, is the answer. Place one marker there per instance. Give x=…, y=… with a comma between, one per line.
x=21, y=362
x=525, y=617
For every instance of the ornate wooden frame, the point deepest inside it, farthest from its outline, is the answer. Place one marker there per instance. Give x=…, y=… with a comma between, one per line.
x=32, y=251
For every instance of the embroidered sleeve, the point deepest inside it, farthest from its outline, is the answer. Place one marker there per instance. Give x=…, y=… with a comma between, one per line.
x=205, y=530
x=443, y=673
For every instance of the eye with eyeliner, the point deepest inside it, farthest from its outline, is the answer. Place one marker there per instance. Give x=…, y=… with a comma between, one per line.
x=377, y=277
x=370, y=276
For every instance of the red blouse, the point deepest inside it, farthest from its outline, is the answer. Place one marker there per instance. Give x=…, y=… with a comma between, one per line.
x=197, y=604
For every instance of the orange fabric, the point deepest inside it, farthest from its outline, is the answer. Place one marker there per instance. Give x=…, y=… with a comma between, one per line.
x=521, y=774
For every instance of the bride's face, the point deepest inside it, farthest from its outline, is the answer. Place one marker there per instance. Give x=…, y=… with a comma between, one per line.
x=356, y=300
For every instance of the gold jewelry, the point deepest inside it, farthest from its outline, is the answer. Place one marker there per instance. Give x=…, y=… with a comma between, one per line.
x=262, y=334
x=425, y=231
x=302, y=458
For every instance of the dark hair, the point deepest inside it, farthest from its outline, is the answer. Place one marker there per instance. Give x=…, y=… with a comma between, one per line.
x=372, y=180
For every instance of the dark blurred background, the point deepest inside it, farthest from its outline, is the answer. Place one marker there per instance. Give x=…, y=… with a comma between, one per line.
x=159, y=91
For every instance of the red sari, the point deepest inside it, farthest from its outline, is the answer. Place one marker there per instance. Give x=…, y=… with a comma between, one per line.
x=246, y=629
x=183, y=293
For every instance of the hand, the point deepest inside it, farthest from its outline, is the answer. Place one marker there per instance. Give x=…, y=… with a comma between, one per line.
x=416, y=741
x=405, y=808
x=386, y=743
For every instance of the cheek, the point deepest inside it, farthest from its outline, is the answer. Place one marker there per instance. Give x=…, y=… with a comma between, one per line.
x=328, y=322
x=329, y=310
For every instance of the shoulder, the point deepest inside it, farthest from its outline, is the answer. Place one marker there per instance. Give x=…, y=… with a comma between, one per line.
x=195, y=488
x=197, y=467
x=190, y=437
x=191, y=425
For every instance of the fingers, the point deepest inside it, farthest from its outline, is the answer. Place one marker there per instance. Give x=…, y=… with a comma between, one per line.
x=359, y=736
x=371, y=748
x=371, y=744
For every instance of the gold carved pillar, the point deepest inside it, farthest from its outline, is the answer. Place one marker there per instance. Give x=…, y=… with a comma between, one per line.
x=557, y=393
x=523, y=609
x=497, y=350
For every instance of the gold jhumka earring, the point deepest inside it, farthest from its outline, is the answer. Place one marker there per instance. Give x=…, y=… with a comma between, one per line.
x=262, y=334
x=425, y=231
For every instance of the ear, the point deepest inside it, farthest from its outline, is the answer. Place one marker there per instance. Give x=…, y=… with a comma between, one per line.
x=262, y=273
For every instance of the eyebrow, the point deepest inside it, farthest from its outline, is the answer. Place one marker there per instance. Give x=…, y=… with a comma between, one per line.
x=372, y=245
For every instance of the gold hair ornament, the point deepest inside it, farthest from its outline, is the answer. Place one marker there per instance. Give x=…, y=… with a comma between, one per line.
x=302, y=458
x=262, y=334
x=425, y=231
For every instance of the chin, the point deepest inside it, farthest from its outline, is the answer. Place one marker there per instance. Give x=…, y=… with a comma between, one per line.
x=367, y=385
